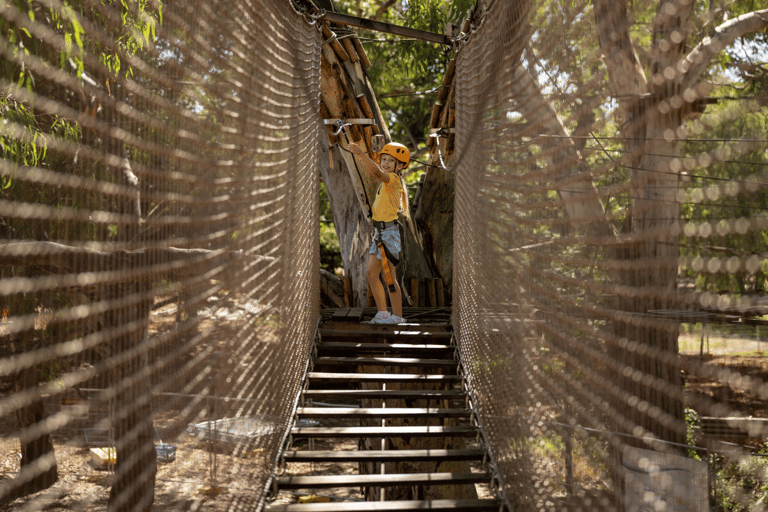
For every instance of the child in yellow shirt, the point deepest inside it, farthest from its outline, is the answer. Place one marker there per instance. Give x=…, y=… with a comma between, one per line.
x=390, y=197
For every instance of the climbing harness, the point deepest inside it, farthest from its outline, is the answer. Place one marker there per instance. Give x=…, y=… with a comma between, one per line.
x=386, y=255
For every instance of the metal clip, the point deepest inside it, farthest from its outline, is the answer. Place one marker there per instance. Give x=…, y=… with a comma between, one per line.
x=343, y=123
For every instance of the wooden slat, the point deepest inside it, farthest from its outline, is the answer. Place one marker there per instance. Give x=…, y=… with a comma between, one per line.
x=347, y=432
x=400, y=332
x=325, y=482
x=415, y=394
x=352, y=346
x=386, y=412
x=380, y=329
x=340, y=314
x=383, y=506
x=355, y=314
x=381, y=377
x=386, y=361
x=382, y=455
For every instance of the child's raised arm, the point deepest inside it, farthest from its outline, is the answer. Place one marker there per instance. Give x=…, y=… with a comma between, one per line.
x=372, y=166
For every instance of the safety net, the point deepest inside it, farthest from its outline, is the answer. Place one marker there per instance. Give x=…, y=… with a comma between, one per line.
x=610, y=215
x=159, y=253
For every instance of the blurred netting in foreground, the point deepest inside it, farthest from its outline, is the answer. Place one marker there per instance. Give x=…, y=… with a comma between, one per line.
x=159, y=254
x=159, y=247
x=606, y=210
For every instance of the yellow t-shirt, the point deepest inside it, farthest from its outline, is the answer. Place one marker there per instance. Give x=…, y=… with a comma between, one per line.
x=388, y=199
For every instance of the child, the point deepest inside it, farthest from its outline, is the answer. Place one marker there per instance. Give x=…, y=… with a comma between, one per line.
x=393, y=160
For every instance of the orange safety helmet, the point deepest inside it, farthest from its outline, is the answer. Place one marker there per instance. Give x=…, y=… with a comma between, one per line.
x=396, y=151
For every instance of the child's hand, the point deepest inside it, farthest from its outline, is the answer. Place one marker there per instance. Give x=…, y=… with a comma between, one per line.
x=355, y=149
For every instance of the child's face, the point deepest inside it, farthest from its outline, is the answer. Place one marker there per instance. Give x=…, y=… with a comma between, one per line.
x=388, y=163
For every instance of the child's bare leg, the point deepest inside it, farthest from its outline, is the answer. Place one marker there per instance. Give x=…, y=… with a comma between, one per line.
x=395, y=298
x=377, y=290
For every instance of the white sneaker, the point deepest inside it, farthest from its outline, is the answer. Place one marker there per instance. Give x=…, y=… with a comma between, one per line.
x=394, y=319
x=382, y=317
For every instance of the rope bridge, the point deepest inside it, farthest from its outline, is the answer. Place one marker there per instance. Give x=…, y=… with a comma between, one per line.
x=159, y=213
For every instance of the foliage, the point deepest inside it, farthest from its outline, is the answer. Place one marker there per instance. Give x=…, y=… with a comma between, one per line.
x=741, y=484
x=722, y=199
x=330, y=252
x=29, y=131
x=404, y=72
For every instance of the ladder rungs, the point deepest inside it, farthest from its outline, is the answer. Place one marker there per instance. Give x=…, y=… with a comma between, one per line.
x=386, y=361
x=384, y=506
x=324, y=482
x=421, y=431
x=382, y=455
x=382, y=377
x=388, y=412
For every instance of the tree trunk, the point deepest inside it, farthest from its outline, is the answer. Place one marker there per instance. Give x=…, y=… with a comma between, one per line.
x=39, y=470
x=652, y=222
x=38, y=459
x=133, y=488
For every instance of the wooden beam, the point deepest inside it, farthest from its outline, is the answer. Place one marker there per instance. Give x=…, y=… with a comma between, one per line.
x=389, y=28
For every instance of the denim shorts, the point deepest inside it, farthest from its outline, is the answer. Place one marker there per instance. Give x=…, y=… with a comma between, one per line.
x=390, y=237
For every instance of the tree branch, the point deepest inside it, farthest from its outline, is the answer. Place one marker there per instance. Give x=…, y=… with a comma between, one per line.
x=624, y=69
x=699, y=58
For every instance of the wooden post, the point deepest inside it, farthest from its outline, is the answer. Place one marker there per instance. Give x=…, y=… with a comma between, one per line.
x=361, y=53
x=347, y=292
x=440, y=292
x=338, y=49
x=350, y=47
x=431, y=293
x=415, y=292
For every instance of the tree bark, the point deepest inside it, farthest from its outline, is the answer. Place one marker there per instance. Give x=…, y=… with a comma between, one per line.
x=133, y=489
x=39, y=470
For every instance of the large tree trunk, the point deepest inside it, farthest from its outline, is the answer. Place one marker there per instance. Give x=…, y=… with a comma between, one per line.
x=133, y=489
x=38, y=459
x=652, y=222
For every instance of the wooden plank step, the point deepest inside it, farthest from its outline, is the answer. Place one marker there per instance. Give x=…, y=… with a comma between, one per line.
x=388, y=412
x=415, y=394
x=340, y=456
x=382, y=377
x=419, y=431
x=385, y=506
x=384, y=347
x=400, y=331
x=326, y=482
x=348, y=315
x=386, y=361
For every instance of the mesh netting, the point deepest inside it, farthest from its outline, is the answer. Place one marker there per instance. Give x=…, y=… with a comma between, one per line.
x=159, y=256
x=604, y=227
x=159, y=223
